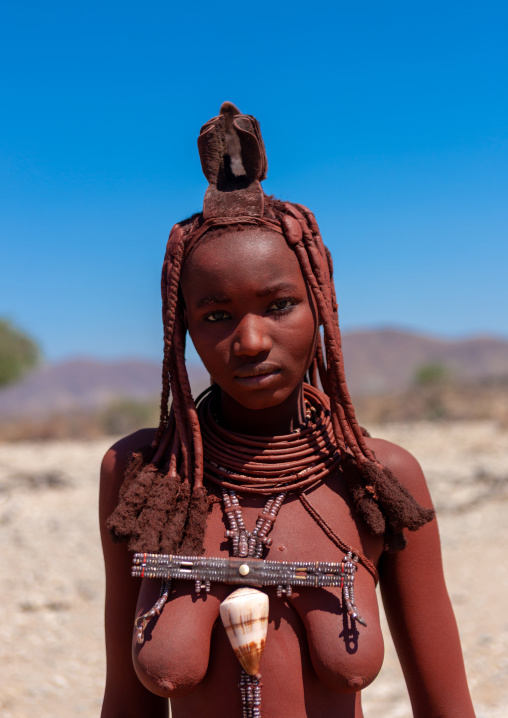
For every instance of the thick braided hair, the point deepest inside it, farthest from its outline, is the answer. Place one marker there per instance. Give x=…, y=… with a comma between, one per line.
x=163, y=503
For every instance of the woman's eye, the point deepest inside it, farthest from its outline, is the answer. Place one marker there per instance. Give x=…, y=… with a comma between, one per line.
x=281, y=305
x=215, y=316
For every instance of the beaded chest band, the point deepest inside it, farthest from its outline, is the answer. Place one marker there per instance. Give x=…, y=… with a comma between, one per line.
x=245, y=572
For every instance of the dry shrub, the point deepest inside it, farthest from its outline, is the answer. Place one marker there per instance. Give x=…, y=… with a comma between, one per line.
x=444, y=401
x=123, y=416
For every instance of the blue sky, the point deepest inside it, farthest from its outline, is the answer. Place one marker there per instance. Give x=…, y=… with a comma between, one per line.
x=388, y=119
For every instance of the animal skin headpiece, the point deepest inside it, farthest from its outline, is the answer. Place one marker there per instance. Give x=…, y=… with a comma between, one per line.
x=233, y=160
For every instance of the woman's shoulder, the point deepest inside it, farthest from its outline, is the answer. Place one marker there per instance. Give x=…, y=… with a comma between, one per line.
x=118, y=455
x=403, y=465
x=115, y=462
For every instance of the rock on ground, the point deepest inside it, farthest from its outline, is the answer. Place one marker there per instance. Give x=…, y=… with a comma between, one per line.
x=52, y=592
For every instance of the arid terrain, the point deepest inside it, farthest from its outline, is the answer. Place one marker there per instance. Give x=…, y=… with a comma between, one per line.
x=52, y=581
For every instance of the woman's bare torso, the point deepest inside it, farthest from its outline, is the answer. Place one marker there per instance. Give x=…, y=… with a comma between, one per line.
x=315, y=660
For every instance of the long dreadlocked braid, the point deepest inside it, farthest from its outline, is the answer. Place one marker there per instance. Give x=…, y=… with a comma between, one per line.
x=163, y=502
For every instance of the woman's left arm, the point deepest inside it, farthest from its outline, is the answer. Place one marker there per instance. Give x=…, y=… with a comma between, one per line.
x=418, y=607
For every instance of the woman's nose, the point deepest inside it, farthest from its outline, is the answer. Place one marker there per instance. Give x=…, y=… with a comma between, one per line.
x=251, y=337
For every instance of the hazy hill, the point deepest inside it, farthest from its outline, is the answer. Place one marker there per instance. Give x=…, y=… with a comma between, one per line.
x=386, y=360
x=377, y=362
x=83, y=384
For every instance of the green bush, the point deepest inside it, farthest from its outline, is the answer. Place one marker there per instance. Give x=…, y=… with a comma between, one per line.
x=123, y=416
x=19, y=354
x=431, y=374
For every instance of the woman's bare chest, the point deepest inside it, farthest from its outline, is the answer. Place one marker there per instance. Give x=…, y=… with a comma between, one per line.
x=188, y=643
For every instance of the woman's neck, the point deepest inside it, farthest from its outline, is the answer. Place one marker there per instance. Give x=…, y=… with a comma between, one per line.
x=276, y=420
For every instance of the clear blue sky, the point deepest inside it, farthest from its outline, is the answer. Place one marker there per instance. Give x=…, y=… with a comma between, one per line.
x=388, y=119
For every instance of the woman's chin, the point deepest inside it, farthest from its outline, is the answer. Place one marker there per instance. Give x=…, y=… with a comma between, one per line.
x=258, y=396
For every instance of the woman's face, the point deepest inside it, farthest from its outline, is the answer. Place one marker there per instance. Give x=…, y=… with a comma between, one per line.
x=250, y=315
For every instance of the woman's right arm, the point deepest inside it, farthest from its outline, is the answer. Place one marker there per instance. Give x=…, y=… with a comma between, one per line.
x=124, y=696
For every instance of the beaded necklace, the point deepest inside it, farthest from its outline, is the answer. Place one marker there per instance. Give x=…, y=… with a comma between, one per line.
x=250, y=544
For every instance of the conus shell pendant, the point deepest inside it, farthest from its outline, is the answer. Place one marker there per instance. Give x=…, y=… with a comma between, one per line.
x=244, y=614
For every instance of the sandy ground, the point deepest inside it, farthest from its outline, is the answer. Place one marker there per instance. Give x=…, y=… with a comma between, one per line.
x=52, y=583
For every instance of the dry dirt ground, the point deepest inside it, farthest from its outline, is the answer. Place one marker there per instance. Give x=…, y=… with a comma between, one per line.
x=52, y=583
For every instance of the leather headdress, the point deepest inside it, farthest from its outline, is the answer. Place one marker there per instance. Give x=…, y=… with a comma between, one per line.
x=234, y=162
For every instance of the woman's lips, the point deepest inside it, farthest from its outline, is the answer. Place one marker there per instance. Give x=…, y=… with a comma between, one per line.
x=255, y=375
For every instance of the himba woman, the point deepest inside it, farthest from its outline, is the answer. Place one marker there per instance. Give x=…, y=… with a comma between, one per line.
x=268, y=466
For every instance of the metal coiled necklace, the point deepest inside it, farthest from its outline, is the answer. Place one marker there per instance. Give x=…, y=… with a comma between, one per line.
x=264, y=465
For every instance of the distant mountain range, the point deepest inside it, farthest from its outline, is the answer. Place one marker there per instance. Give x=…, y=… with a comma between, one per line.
x=376, y=362
x=386, y=360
